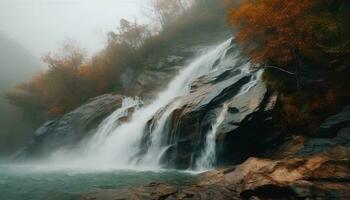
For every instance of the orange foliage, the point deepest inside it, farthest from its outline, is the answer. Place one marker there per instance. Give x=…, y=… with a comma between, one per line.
x=55, y=112
x=272, y=30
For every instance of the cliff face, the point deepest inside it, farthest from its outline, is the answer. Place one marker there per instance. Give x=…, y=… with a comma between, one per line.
x=150, y=76
x=246, y=128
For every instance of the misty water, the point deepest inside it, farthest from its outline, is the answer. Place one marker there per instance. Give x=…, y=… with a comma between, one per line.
x=32, y=182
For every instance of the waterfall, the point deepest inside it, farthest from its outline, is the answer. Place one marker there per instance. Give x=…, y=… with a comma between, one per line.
x=117, y=146
x=208, y=157
x=107, y=126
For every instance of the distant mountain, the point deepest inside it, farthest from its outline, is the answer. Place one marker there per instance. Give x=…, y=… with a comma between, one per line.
x=17, y=65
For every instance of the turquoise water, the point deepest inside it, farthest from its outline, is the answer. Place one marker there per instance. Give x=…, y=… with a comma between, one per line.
x=28, y=183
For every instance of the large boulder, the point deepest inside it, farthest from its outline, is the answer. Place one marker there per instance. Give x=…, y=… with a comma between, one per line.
x=320, y=176
x=334, y=131
x=72, y=127
x=246, y=129
x=333, y=124
x=192, y=120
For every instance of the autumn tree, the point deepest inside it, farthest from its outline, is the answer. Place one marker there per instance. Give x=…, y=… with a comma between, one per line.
x=303, y=39
x=269, y=29
x=282, y=32
x=130, y=33
x=167, y=11
x=58, y=90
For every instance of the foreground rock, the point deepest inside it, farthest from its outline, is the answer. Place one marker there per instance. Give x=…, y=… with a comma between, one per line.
x=321, y=176
x=72, y=127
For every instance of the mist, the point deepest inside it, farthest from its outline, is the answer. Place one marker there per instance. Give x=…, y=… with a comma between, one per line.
x=40, y=25
x=31, y=28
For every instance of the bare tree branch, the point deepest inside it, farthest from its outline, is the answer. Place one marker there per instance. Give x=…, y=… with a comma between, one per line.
x=280, y=69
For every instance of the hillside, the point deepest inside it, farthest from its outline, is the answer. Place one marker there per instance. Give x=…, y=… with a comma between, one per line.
x=16, y=65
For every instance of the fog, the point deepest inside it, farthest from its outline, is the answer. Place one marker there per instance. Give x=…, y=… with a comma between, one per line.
x=30, y=28
x=40, y=25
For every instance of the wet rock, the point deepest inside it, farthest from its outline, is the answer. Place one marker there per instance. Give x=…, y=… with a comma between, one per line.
x=72, y=127
x=193, y=118
x=162, y=191
x=316, y=145
x=323, y=176
x=151, y=191
x=148, y=76
x=336, y=126
x=334, y=123
x=246, y=129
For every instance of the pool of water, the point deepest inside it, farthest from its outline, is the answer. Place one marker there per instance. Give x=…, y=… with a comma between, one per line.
x=34, y=183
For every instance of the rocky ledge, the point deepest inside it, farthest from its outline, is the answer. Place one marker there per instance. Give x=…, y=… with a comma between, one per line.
x=70, y=128
x=301, y=168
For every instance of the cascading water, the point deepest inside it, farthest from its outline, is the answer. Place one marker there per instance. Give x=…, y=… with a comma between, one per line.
x=111, y=123
x=253, y=80
x=153, y=154
x=208, y=156
x=116, y=146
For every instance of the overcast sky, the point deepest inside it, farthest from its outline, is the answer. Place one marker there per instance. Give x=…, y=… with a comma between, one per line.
x=40, y=25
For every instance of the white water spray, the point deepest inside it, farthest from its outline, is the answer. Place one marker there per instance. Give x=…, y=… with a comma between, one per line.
x=208, y=156
x=116, y=145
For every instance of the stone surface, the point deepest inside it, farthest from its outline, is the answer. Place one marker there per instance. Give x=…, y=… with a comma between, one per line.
x=149, y=76
x=316, y=145
x=337, y=130
x=247, y=127
x=334, y=123
x=324, y=176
